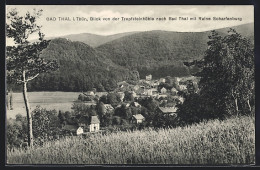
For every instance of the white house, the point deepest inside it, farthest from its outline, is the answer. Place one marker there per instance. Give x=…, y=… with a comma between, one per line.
x=156, y=83
x=108, y=107
x=148, y=78
x=147, y=92
x=136, y=104
x=181, y=99
x=79, y=131
x=177, y=80
x=94, y=124
x=138, y=118
x=122, y=95
x=174, y=91
x=161, y=96
x=73, y=128
x=134, y=94
x=136, y=87
x=182, y=87
x=168, y=110
x=89, y=93
x=163, y=90
x=162, y=80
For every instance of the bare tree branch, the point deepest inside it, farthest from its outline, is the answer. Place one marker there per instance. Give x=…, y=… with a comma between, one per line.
x=31, y=78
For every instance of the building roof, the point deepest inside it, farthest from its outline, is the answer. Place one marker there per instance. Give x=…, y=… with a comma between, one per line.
x=108, y=106
x=168, y=109
x=89, y=93
x=136, y=104
x=94, y=120
x=138, y=116
x=122, y=83
x=70, y=127
x=174, y=89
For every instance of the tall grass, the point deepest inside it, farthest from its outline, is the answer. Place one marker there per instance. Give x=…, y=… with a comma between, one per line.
x=215, y=142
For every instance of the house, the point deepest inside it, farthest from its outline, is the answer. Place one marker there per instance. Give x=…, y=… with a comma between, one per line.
x=180, y=99
x=75, y=129
x=136, y=87
x=168, y=110
x=161, y=96
x=136, y=104
x=122, y=95
x=150, y=92
x=94, y=124
x=148, y=78
x=155, y=93
x=162, y=80
x=108, y=107
x=182, y=87
x=133, y=93
x=138, y=118
x=174, y=91
x=145, y=92
x=140, y=90
x=99, y=94
x=177, y=79
x=79, y=131
x=118, y=106
x=156, y=83
x=122, y=84
x=163, y=90
x=89, y=93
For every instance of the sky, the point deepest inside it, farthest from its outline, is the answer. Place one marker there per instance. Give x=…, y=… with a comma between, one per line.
x=57, y=28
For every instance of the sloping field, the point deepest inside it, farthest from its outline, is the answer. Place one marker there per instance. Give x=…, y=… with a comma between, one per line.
x=216, y=142
x=48, y=100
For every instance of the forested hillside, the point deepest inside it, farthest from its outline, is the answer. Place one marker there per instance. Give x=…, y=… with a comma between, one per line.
x=160, y=53
x=81, y=69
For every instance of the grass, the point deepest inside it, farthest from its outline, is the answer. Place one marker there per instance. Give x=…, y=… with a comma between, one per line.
x=215, y=142
x=49, y=100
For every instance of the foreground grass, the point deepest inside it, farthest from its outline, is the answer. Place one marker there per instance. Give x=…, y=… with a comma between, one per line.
x=216, y=142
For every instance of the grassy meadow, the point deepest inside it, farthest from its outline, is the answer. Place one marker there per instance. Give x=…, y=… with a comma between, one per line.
x=49, y=100
x=231, y=141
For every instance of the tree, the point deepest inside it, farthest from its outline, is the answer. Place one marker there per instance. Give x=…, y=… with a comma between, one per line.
x=226, y=83
x=239, y=65
x=113, y=99
x=116, y=120
x=103, y=99
x=129, y=96
x=19, y=117
x=45, y=124
x=23, y=60
x=16, y=131
x=101, y=109
x=61, y=117
x=228, y=70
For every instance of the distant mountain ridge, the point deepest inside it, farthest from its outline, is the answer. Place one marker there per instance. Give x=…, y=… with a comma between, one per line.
x=93, y=40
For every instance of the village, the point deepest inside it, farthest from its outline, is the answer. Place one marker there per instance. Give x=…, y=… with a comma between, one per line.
x=167, y=92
